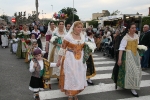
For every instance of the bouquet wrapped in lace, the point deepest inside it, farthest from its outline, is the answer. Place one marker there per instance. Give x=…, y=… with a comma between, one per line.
x=141, y=49
x=88, y=48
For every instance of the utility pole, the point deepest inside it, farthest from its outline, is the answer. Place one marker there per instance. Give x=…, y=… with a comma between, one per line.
x=52, y=11
x=73, y=12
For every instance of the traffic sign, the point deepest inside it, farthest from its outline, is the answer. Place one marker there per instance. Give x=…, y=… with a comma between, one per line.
x=13, y=20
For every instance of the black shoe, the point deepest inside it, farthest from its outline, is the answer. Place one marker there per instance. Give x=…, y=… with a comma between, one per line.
x=90, y=83
x=135, y=95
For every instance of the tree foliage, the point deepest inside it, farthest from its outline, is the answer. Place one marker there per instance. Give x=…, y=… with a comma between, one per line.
x=70, y=12
x=5, y=18
x=94, y=23
x=146, y=20
x=70, y=20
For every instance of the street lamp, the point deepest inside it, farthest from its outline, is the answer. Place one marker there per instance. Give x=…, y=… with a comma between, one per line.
x=42, y=16
x=73, y=12
x=52, y=8
x=52, y=12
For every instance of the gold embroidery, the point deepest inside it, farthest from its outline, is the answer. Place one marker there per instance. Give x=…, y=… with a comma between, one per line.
x=132, y=45
x=76, y=48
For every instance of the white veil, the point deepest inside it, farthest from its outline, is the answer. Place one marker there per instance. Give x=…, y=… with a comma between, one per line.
x=49, y=29
x=71, y=29
x=56, y=30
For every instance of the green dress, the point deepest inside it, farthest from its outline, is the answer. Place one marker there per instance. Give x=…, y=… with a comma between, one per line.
x=129, y=74
x=20, y=53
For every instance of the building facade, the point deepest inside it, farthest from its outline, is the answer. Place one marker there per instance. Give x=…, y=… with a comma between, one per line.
x=103, y=14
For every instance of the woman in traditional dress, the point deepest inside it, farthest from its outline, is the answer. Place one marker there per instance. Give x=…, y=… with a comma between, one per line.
x=73, y=70
x=90, y=64
x=14, y=43
x=54, y=48
x=129, y=75
x=21, y=50
x=37, y=34
x=4, y=37
x=49, y=33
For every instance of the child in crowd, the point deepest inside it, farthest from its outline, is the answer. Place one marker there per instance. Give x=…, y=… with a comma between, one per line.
x=34, y=45
x=14, y=43
x=39, y=67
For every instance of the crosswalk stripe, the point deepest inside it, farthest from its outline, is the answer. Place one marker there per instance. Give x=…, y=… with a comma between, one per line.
x=97, y=77
x=106, y=76
x=94, y=55
x=104, y=62
x=104, y=68
x=139, y=98
x=100, y=58
x=88, y=90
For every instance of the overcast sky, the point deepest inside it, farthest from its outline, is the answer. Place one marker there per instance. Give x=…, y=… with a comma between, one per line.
x=85, y=8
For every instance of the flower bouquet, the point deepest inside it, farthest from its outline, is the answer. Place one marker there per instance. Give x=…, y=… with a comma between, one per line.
x=54, y=39
x=88, y=48
x=141, y=49
x=20, y=35
x=28, y=42
x=60, y=15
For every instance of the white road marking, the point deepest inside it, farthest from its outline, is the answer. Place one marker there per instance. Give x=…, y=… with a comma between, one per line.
x=88, y=90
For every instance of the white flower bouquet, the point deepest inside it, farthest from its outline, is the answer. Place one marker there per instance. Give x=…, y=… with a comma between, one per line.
x=88, y=48
x=141, y=49
x=54, y=39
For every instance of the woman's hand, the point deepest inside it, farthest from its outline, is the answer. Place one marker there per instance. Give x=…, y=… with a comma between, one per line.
x=119, y=62
x=59, y=45
x=58, y=63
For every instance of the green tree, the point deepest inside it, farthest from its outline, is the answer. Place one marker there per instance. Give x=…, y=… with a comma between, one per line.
x=70, y=19
x=69, y=11
x=94, y=23
x=5, y=18
x=146, y=20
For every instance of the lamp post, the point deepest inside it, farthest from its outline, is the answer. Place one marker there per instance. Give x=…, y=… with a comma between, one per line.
x=52, y=8
x=52, y=12
x=73, y=12
x=42, y=16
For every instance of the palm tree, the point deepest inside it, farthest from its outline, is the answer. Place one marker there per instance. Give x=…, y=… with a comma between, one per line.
x=36, y=5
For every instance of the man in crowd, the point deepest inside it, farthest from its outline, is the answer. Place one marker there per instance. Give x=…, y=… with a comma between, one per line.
x=145, y=40
x=68, y=27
